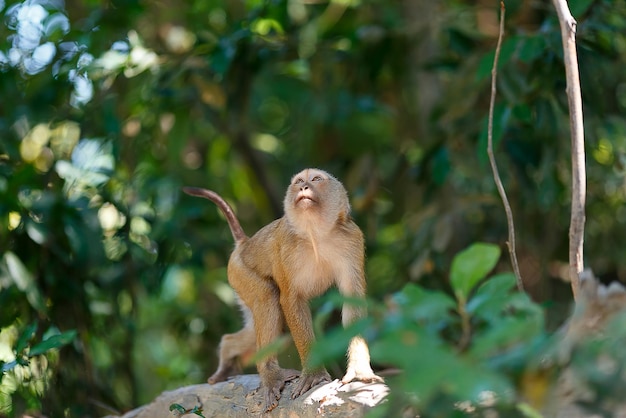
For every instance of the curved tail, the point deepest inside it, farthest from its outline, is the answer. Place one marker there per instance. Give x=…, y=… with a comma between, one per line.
x=233, y=222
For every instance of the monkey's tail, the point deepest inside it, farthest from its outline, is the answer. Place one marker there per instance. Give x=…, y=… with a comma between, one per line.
x=233, y=222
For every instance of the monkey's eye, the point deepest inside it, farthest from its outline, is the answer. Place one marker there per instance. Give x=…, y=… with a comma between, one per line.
x=317, y=178
x=298, y=180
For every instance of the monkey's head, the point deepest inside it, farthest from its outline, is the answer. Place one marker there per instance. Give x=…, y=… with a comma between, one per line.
x=315, y=198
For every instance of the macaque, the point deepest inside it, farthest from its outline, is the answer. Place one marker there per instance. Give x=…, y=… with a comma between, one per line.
x=275, y=273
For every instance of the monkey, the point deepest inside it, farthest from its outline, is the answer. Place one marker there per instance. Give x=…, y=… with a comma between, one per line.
x=278, y=270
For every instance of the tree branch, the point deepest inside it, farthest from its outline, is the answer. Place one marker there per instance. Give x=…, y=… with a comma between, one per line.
x=577, y=220
x=494, y=167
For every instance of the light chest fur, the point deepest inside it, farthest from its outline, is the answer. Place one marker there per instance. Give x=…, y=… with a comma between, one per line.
x=318, y=256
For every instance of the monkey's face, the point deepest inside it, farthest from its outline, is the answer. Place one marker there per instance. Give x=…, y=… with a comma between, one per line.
x=314, y=192
x=307, y=187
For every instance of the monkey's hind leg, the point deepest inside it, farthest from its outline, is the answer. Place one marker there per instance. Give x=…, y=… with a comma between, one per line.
x=262, y=308
x=234, y=349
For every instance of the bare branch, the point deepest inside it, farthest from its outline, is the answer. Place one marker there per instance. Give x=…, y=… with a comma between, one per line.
x=494, y=167
x=577, y=220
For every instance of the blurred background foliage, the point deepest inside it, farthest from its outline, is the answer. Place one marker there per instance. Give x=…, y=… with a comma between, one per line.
x=109, y=107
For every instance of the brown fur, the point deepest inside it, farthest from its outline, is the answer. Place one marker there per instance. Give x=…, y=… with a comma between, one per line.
x=314, y=246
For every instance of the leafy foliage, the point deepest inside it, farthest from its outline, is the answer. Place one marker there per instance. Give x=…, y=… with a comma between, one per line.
x=488, y=352
x=452, y=355
x=109, y=108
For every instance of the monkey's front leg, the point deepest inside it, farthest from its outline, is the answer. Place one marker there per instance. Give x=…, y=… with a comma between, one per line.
x=308, y=380
x=359, y=363
x=273, y=379
x=298, y=316
x=358, y=354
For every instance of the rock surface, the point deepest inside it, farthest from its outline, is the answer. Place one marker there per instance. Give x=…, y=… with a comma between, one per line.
x=238, y=397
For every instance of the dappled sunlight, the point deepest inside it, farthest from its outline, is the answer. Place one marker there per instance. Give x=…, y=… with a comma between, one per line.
x=110, y=218
x=178, y=284
x=37, y=27
x=63, y=138
x=177, y=39
x=267, y=143
x=42, y=144
x=274, y=113
x=603, y=153
x=91, y=165
x=192, y=159
x=83, y=86
x=14, y=220
x=33, y=24
x=33, y=143
x=131, y=57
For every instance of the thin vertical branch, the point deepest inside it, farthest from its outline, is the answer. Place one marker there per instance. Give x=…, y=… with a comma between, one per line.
x=494, y=167
x=574, y=99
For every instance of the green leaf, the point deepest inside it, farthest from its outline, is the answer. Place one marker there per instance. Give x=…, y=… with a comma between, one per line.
x=55, y=341
x=424, y=305
x=503, y=336
x=265, y=27
x=39, y=233
x=198, y=411
x=24, y=280
x=25, y=337
x=178, y=408
x=471, y=266
x=522, y=304
x=579, y=7
x=492, y=296
x=401, y=346
x=77, y=238
x=440, y=167
x=499, y=284
x=532, y=47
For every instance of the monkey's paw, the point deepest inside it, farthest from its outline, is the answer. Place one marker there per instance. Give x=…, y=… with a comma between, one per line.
x=271, y=393
x=308, y=380
x=364, y=374
x=218, y=376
